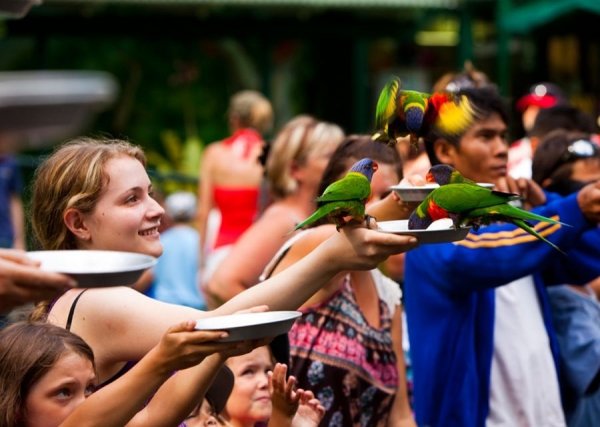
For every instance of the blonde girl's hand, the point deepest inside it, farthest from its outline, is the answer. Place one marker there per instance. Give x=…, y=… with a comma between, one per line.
x=359, y=248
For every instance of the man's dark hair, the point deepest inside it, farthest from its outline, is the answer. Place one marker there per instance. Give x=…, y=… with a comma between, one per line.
x=564, y=117
x=485, y=100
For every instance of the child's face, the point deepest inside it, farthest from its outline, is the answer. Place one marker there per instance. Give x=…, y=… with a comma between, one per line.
x=126, y=217
x=250, y=399
x=64, y=387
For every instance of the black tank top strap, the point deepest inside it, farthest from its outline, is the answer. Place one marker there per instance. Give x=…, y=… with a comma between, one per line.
x=72, y=310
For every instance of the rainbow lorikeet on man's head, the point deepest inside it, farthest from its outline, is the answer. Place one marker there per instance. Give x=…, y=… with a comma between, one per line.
x=402, y=112
x=467, y=203
x=346, y=196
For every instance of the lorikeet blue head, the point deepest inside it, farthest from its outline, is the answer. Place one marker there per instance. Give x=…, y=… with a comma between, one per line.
x=366, y=167
x=414, y=105
x=440, y=174
x=416, y=222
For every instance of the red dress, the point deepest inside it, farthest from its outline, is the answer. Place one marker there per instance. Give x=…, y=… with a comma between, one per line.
x=238, y=205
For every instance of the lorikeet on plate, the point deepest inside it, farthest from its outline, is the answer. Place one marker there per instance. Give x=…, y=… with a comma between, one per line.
x=402, y=112
x=467, y=203
x=346, y=196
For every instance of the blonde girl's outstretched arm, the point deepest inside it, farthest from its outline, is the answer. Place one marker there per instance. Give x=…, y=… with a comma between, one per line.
x=353, y=248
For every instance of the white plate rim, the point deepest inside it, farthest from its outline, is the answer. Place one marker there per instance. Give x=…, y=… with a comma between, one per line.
x=431, y=234
x=149, y=261
x=287, y=315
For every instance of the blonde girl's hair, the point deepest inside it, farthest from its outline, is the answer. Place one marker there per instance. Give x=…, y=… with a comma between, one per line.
x=300, y=138
x=72, y=177
x=27, y=352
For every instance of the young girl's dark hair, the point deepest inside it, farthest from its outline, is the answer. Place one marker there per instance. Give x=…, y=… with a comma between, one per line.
x=27, y=352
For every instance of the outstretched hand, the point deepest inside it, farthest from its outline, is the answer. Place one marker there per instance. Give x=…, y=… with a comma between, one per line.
x=297, y=408
x=531, y=193
x=589, y=201
x=361, y=248
x=22, y=281
x=182, y=346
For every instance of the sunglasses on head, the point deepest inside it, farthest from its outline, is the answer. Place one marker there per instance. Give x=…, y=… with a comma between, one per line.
x=580, y=149
x=577, y=150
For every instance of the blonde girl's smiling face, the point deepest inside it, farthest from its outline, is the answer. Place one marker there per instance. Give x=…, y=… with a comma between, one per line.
x=126, y=216
x=59, y=391
x=250, y=401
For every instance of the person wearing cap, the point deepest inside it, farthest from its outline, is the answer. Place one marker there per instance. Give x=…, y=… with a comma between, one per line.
x=564, y=163
x=539, y=97
x=175, y=273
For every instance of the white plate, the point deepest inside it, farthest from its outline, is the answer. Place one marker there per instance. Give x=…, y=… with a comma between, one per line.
x=448, y=234
x=250, y=326
x=416, y=193
x=94, y=269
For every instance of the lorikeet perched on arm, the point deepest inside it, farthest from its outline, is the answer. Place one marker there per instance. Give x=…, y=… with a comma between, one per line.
x=402, y=112
x=346, y=196
x=467, y=203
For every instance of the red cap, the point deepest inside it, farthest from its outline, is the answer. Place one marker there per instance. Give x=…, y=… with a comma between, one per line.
x=543, y=95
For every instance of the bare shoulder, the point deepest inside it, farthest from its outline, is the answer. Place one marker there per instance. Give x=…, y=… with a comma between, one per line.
x=60, y=309
x=279, y=212
x=309, y=241
x=92, y=303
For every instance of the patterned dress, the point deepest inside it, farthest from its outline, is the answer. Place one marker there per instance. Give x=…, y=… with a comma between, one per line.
x=348, y=364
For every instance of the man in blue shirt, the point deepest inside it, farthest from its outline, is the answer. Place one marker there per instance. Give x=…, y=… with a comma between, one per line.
x=481, y=338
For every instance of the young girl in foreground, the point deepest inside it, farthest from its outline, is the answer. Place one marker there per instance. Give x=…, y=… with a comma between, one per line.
x=261, y=394
x=47, y=377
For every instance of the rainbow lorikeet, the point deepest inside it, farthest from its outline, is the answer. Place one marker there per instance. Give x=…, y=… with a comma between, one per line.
x=402, y=112
x=346, y=196
x=467, y=203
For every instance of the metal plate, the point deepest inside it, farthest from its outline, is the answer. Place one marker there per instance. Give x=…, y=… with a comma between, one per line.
x=439, y=235
x=250, y=326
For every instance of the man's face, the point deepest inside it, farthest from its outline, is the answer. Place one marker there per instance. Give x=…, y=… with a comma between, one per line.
x=482, y=153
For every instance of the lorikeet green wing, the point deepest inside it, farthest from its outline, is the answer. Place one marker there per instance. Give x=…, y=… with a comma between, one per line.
x=470, y=204
x=512, y=214
x=461, y=198
x=402, y=112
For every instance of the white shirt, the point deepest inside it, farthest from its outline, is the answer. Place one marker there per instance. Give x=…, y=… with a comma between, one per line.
x=524, y=387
